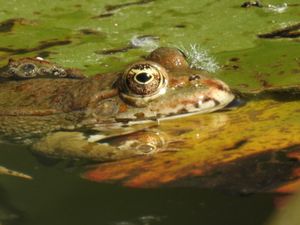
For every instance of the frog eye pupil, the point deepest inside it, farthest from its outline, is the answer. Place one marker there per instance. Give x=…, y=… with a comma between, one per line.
x=143, y=77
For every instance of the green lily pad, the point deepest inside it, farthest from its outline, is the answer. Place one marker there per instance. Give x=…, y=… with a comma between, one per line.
x=272, y=64
x=223, y=28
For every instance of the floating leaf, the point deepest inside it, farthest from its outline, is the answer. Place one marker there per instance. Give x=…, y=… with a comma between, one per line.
x=226, y=150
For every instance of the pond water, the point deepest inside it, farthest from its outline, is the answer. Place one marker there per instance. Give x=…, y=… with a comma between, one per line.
x=245, y=154
x=57, y=195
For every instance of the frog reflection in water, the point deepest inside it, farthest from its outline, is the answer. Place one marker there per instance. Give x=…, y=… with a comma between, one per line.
x=65, y=114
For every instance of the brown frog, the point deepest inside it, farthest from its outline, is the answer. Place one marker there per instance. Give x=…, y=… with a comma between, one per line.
x=61, y=112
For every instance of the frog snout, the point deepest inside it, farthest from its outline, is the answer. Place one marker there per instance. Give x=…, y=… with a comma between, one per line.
x=219, y=91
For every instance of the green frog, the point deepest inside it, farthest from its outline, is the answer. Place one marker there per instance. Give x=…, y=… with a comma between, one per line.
x=62, y=113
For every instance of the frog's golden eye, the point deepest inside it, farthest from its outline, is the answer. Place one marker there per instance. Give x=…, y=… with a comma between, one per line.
x=142, y=82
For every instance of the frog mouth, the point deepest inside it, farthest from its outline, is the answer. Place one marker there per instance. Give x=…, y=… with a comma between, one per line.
x=210, y=100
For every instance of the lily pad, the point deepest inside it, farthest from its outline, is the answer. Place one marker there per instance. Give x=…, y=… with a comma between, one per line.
x=221, y=27
x=271, y=64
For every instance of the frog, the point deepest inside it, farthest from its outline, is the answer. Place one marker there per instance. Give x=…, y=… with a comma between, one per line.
x=62, y=113
x=36, y=68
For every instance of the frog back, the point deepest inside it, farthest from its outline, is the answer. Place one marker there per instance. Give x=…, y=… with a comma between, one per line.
x=38, y=106
x=40, y=97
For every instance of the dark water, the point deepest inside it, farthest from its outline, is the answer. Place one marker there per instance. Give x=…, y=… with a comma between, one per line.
x=57, y=195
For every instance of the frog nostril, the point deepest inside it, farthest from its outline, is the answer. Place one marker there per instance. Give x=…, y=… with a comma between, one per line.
x=194, y=77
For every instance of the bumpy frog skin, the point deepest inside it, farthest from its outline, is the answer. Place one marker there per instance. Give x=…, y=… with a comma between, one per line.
x=45, y=102
x=35, y=68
